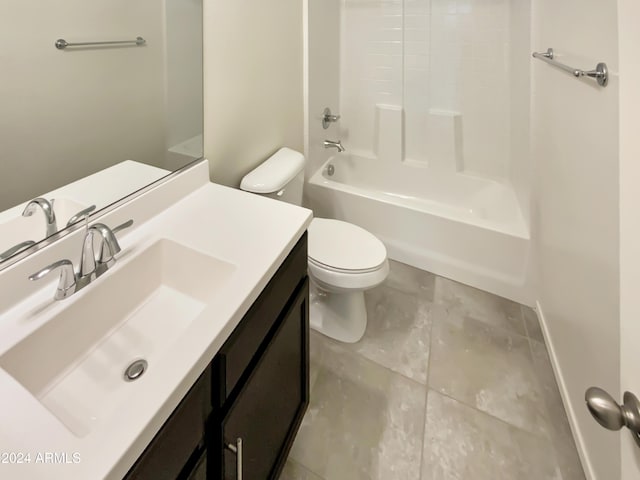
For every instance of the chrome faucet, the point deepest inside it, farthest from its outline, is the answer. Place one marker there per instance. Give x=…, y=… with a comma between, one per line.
x=331, y=144
x=109, y=245
x=47, y=208
x=89, y=268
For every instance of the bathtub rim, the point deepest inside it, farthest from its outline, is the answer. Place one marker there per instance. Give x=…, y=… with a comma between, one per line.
x=521, y=231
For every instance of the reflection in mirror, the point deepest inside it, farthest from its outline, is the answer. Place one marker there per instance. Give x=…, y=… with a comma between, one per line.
x=84, y=126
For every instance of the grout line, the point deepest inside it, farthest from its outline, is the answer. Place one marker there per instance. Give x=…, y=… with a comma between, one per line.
x=541, y=436
x=524, y=322
x=446, y=306
x=546, y=432
x=345, y=349
x=489, y=325
x=426, y=398
x=304, y=467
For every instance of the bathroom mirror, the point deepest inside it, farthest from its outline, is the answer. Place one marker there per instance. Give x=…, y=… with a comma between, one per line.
x=86, y=121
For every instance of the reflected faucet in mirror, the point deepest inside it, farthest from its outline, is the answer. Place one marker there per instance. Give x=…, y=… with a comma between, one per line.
x=47, y=206
x=81, y=215
x=49, y=215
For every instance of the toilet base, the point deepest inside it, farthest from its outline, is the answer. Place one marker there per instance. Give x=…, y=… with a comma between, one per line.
x=341, y=316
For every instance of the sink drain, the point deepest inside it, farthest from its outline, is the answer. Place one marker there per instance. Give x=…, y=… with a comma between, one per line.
x=135, y=370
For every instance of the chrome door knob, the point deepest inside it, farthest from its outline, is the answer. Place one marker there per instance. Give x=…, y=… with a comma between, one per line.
x=612, y=415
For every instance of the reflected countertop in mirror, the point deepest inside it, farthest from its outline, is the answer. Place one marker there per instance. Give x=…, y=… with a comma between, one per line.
x=71, y=201
x=71, y=115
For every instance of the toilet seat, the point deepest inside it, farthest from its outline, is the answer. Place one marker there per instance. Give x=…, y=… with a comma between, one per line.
x=343, y=256
x=335, y=281
x=343, y=247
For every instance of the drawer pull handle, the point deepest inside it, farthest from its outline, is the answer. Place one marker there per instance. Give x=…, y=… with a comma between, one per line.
x=237, y=449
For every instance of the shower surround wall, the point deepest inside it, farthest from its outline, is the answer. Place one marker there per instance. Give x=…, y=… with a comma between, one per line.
x=430, y=82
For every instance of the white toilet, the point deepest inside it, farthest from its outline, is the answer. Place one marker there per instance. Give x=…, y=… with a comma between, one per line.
x=344, y=259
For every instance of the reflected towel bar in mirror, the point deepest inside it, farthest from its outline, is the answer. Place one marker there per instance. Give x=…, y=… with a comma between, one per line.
x=61, y=43
x=601, y=73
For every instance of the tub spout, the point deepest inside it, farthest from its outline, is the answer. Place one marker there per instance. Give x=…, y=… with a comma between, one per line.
x=331, y=144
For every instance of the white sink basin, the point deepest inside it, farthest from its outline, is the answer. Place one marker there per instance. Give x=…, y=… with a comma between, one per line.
x=19, y=229
x=74, y=364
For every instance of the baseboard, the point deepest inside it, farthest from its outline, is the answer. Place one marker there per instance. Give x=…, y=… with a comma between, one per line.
x=573, y=423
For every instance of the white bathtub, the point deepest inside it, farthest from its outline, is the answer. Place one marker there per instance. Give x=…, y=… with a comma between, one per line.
x=459, y=226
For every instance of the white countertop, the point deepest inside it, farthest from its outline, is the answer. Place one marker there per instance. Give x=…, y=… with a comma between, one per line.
x=254, y=233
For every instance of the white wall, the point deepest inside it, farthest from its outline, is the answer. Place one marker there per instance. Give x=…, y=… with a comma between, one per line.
x=50, y=133
x=253, y=83
x=323, y=78
x=575, y=147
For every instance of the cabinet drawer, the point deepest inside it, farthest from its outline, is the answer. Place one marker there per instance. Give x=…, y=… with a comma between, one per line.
x=182, y=434
x=246, y=340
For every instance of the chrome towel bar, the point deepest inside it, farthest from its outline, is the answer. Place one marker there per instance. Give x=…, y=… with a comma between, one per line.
x=601, y=73
x=61, y=43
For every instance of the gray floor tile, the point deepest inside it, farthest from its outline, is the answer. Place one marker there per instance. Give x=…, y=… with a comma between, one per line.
x=559, y=430
x=500, y=417
x=398, y=331
x=488, y=368
x=294, y=471
x=363, y=421
x=462, y=443
x=532, y=324
x=470, y=302
x=412, y=280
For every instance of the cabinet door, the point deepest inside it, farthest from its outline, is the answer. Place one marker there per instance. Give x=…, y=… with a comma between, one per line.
x=180, y=438
x=268, y=411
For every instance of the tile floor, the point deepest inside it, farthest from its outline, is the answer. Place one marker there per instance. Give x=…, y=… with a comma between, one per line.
x=449, y=382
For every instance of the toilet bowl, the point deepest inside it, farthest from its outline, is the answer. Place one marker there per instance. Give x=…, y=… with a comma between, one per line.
x=344, y=259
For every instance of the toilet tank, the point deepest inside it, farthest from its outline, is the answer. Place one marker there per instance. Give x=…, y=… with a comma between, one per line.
x=281, y=176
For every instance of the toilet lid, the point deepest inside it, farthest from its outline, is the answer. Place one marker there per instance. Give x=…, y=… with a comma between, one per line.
x=344, y=246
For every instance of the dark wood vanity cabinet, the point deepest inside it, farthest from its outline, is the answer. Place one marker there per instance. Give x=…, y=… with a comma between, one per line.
x=266, y=413
x=245, y=409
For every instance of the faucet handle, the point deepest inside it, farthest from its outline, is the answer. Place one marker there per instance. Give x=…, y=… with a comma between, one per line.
x=67, y=283
x=122, y=226
x=81, y=215
x=328, y=118
x=16, y=249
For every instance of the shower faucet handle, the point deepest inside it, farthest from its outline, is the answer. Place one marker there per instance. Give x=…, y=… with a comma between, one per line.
x=328, y=118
